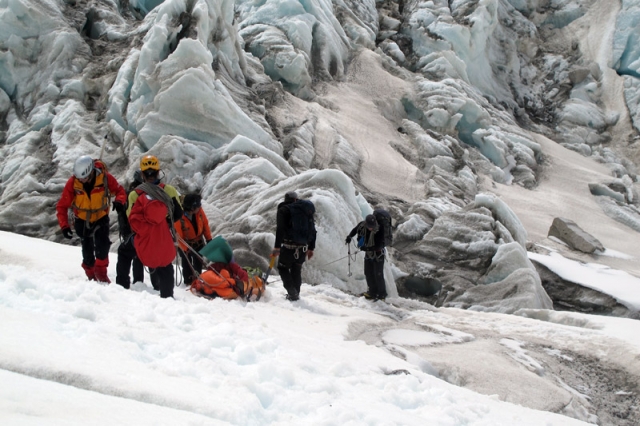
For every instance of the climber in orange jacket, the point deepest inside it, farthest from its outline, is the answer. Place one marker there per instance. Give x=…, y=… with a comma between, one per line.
x=88, y=192
x=193, y=228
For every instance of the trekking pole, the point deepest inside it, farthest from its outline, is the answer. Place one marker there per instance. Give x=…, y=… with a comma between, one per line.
x=349, y=257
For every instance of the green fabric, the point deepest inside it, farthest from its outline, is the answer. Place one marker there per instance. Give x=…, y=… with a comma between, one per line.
x=217, y=250
x=253, y=272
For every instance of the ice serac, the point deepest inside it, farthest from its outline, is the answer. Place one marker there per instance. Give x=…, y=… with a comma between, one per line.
x=504, y=215
x=454, y=107
x=625, y=56
x=479, y=255
x=511, y=283
x=191, y=103
x=143, y=7
x=169, y=86
x=297, y=41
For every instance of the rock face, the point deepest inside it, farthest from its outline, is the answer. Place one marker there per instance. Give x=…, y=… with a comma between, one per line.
x=574, y=236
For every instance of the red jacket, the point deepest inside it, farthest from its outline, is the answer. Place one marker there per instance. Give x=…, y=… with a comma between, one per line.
x=235, y=270
x=92, y=206
x=153, y=240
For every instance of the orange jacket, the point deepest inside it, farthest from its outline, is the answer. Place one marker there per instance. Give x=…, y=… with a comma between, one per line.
x=89, y=207
x=222, y=284
x=185, y=229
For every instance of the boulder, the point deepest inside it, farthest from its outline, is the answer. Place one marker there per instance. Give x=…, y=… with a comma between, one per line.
x=577, y=76
x=575, y=237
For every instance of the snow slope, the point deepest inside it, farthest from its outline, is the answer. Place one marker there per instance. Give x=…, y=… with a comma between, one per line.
x=76, y=352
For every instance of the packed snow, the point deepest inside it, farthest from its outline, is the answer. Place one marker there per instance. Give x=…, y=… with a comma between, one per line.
x=76, y=352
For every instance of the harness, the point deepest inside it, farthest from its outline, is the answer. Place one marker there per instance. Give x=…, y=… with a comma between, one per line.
x=197, y=242
x=105, y=202
x=375, y=255
x=297, y=248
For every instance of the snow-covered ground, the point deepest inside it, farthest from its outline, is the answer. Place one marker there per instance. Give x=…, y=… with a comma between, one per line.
x=75, y=352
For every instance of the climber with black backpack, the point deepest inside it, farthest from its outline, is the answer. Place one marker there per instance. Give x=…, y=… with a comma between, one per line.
x=374, y=234
x=127, y=256
x=295, y=241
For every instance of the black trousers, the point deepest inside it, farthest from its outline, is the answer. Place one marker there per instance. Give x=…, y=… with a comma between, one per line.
x=162, y=279
x=190, y=258
x=374, y=273
x=94, y=238
x=290, y=264
x=127, y=258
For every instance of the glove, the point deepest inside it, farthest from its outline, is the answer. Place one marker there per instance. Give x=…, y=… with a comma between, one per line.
x=348, y=240
x=275, y=252
x=118, y=206
x=67, y=233
x=309, y=254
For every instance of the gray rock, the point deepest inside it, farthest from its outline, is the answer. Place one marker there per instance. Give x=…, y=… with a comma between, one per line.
x=579, y=75
x=575, y=237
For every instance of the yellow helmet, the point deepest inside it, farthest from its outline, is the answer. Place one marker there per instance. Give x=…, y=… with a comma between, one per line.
x=149, y=162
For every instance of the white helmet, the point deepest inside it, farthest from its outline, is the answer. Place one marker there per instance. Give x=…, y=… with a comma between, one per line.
x=83, y=167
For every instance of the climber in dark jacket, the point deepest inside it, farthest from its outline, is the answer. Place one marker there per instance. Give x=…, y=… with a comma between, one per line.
x=371, y=240
x=292, y=250
x=127, y=257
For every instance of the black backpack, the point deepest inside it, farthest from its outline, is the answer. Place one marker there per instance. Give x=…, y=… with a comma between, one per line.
x=384, y=218
x=302, y=224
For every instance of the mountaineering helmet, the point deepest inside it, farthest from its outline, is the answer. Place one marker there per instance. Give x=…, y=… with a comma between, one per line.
x=370, y=221
x=291, y=196
x=149, y=162
x=83, y=167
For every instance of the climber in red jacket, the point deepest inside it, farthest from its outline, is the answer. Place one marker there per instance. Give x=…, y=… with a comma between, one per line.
x=88, y=192
x=153, y=205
